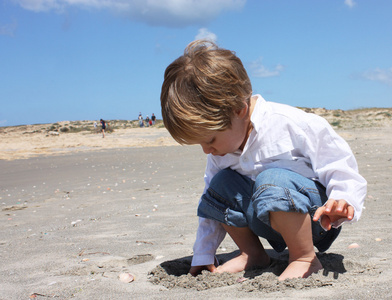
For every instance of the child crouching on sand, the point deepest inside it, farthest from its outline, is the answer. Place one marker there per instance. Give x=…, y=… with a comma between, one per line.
x=273, y=171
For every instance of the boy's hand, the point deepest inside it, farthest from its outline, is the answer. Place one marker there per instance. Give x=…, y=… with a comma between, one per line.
x=332, y=211
x=196, y=270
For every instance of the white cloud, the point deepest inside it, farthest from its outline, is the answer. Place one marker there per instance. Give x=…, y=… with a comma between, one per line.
x=39, y=5
x=383, y=76
x=205, y=34
x=259, y=70
x=350, y=3
x=171, y=13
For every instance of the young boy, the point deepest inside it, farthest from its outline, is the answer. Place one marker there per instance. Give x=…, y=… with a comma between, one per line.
x=273, y=171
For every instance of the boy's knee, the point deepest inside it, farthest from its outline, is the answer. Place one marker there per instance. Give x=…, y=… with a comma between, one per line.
x=223, y=200
x=274, y=176
x=285, y=179
x=228, y=186
x=222, y=175
x=225, y=178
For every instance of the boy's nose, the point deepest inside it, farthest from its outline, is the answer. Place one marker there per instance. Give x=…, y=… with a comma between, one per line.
x=207, y=149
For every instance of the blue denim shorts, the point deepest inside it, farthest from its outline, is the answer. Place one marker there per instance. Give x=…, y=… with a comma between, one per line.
x=236, y=200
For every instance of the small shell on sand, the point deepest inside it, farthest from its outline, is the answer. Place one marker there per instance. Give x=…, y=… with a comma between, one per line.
x=353, y=246
x=126, y=277
x=241, y=279
x=378, y=239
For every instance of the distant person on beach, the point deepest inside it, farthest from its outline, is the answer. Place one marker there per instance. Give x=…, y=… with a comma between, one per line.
x=141, y=123
x=147, y=121
x=273, y=171
x=103, y=124
x=95, y=127
x=153, y=119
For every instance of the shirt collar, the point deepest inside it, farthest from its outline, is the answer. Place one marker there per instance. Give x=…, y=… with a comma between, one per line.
x=258, y=112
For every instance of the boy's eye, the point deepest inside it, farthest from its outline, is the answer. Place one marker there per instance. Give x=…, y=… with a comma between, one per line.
x=211, y=141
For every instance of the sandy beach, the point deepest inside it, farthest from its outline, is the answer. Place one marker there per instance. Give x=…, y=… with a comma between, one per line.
x=79, y=210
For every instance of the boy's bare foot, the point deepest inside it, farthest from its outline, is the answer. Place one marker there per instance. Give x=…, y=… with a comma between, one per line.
x=301, y=268
x=243, y=262
x=296, y=230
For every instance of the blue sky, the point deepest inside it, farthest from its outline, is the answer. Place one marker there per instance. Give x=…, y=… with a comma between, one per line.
x=90, y=59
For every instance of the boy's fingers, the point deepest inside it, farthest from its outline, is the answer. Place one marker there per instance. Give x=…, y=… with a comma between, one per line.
x=326, y=223
x=332, y=211
x=350, y=212
x=341, y=205
x=319, y=212
x=211, y=268
x=329, y=206
x=194, y=271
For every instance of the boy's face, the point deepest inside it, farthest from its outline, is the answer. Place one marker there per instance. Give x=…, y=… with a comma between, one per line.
x=229, y=140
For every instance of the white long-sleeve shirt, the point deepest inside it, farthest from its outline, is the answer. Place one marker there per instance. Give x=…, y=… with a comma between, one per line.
x=286, y=137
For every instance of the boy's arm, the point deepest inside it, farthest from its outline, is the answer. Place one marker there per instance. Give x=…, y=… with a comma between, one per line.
x=209, y=236
x=337, y=169
x=210, y=233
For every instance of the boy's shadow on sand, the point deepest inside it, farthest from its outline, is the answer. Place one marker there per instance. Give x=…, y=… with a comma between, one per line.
x=332, y=263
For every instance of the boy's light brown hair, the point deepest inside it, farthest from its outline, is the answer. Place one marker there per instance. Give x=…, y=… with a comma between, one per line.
x=201, y=91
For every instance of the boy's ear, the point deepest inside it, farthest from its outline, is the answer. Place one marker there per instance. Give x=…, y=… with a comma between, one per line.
x=243, y=111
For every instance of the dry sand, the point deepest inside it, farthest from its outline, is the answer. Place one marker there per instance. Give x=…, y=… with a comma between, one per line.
x=35, y=140
x=72, y=222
